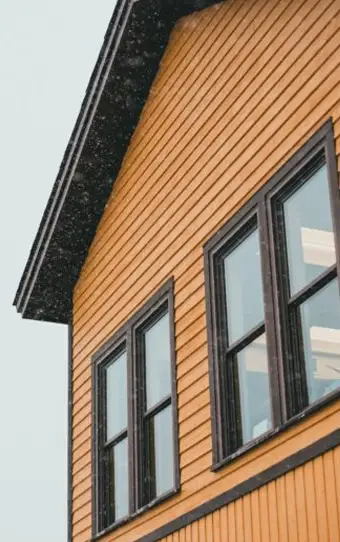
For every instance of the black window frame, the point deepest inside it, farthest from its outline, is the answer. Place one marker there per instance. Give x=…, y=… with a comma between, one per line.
x=129, y=338
x=287, y=396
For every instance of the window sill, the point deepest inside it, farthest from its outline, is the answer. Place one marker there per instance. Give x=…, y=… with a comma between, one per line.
x=269, y=435
x=136, y=514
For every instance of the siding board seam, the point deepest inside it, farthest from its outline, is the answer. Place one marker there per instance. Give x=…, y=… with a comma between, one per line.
x=221, y=91
x=285, y=466
x=186, y=100
x=198, y=427
x=82, y=493
x=82, y=456
x=202, y=409
x=182, y=246
x=159, y=121
x=156, y=256
x=180, y=362
x=233, y=60
x=260, y=453
x=188, y=451
x=178, y=351
x=87, y=308
x=191, y=459
x=174, y=67
x=170, y=506
x=193, y=397
x=86, y=465
x=185, y=65
x=202, y=375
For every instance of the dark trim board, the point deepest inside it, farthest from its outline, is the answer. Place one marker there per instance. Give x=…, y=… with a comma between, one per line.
x=69, y=435
x=255, y=482
x=118, y=89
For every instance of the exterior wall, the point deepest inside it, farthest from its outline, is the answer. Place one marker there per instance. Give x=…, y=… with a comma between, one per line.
x=296, y=506
x=242, y=85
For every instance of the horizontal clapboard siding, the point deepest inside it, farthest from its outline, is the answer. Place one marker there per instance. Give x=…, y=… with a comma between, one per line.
x=242, y=85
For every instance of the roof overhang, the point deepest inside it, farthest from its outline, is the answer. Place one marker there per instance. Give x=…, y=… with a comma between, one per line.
x=128, y=62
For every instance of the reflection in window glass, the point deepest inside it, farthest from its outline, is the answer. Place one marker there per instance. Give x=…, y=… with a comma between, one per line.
x=116, y=396
x=309, y=231
x=118, y=481
x=157, y=361
x=161, y=457
x=244, y=287
x=320, y=318
x=254, y=385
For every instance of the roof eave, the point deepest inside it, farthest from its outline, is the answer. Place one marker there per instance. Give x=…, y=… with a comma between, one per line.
x=128, y=62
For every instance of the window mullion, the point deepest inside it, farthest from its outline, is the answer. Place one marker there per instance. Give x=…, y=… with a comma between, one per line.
x=289, y=341
x=247, y=338
x=232, y=414
x=149, y=469
x=333, y=183
x=313, y=287
x=158, y=407
x=225, y=443
x=131, y=420
x=101, y=463
x=142, y=488
x=116, y=439
x=104, y=508
x=276, y=374
x=138, y=406
x=299, y=376
x=280, y=294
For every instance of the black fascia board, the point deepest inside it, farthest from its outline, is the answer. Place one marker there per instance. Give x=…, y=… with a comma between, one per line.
x=128, y=62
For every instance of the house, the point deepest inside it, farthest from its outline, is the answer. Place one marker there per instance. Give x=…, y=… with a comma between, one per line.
x=191, y=244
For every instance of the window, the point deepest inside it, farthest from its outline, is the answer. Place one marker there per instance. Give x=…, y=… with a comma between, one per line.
x=135, y=436
x=153, y=346
x=273, y=305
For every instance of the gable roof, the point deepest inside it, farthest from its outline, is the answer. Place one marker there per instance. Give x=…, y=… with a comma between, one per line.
x=127, y=64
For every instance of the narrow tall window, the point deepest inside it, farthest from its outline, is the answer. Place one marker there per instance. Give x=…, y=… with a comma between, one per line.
x=116, y=439
x=156, y=412
x=310, y=295
x=272, y=277
x=136, y=447
x=246, y=363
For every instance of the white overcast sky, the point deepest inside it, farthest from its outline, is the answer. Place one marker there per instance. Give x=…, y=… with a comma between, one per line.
x=47, y=52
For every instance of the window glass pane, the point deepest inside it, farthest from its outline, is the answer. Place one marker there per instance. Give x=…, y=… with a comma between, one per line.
x=309, y=231
x=255, y=401
x=161, y=453
x=157, y=361
x=320, y=316
x=116, y=397
x=244, y=287
x=118, y=481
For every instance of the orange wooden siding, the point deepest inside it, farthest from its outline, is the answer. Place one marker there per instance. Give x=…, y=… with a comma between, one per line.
x=294, y=507
x=242, y=85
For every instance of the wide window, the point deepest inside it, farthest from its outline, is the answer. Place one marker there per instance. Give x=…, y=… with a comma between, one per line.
x=136, y=448
x=273, y=302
